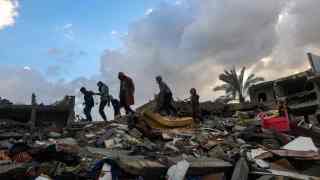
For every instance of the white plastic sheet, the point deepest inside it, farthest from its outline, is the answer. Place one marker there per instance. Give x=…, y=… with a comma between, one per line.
x=178, y=171
x=301, y=144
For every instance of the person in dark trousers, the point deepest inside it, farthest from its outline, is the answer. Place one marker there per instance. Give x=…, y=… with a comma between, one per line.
x=116, y=106
x=88, y=102
x=195, y=105
x=104, y=98
x=126, y=94
x=165, y=99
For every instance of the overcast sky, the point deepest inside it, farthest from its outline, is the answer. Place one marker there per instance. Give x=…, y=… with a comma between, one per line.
x=55, y=47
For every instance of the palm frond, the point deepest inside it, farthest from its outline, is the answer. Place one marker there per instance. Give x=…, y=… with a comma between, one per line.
x=234, y=84
x=222, y=87
x=252, y=81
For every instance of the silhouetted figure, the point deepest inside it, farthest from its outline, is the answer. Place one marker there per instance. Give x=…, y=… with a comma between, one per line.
x=126, y=94
x=195, y=105
x=116, y=106
x=165, y=99
x=104, y=98
x=88, y=102
x=33, y=99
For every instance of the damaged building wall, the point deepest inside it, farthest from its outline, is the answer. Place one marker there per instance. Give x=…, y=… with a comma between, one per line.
x=58, y=114
x=262, y=93
x=300, y=91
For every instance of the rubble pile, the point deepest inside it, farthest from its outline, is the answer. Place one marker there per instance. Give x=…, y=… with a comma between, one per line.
x=132, y=147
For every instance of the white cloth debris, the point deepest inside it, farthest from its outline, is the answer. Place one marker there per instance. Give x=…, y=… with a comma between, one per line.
x=301, y=144
x=261, y=163
x=42, y=178
x=257, y=152
x=105, y=172
x=178, y=171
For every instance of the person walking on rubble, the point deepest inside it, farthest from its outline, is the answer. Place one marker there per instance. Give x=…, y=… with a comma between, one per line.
x=165, y=99
x=126, y=94
x=195, y=105
x=104, y=98
x=88, y=102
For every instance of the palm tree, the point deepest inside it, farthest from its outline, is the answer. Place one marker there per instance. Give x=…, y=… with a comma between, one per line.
x=235, y=85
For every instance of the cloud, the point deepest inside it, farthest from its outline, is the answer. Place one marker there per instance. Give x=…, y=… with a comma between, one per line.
x=148, y=11
x=8, y=12
x=65, y=54
x=27, y=68
x=18, y=83
x=189, y=45
x=114, y=33
x=54, y=51
x=67, y=26
x=191, y=42
x=54, y=70
x=67, y=31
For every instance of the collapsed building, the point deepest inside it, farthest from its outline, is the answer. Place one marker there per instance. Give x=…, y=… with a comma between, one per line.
x=300, y=91
x=58, y=114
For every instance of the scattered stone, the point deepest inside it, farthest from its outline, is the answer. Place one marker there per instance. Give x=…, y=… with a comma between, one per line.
x=54, y=135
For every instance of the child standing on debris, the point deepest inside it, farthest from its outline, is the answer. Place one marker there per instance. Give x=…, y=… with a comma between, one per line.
x=116, y=106
x=88, y=102
x=194, y=98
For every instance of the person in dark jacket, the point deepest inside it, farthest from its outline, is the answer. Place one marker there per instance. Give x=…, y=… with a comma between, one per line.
x=195, y=105
x=104, y=98
x=126, y=93
x=165, y=99
x=88, y=102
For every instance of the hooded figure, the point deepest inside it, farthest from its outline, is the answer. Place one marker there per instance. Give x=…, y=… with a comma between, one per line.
x=165, y=99
x=126, y=93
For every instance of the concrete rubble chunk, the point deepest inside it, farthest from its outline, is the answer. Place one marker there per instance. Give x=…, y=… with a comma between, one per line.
x=135, y=133
x=217, y=152
x=54, y=135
